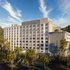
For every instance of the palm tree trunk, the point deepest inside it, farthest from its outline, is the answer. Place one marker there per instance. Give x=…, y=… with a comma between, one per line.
x=29, y=66
x=11, y=66
x=44, y=66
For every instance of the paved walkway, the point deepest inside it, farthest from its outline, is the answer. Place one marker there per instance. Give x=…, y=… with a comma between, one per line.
x=56, y=66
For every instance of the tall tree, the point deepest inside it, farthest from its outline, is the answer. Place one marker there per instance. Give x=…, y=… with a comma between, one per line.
x=44, y=59
x=63, y=45
x=68, y=61
x=1, y=36
x=18, y=50
x=31, y=57
x=4, y=46
x=11, y=58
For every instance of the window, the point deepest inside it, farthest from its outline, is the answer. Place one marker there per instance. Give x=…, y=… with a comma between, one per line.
x=27, y=47
x=41, y=51
x=26, y=41
x=37, y=47
x=26, y=44
x=41, y=48
x=30, y=38
x=33, y=38
x=33, y=35
x=37, y=44
x=30, y=41
x=46, y=38
x=46, y=48
x=20, y=43
x=46, y=41
x=33, y=47
x=37, y=41
x=41, y=24
x=30, y=47
x=46, y=27
x=41, y=37
x=41, y=44
x=41, y=34
x=33, y=41
x=41, y=41
x=37, y=38
x=26, y=38
x=17, y=43
x=23, y=41
x=46, y=24
x=23, y=47
x=33, y=44
x=23, y=38
x=46, y=45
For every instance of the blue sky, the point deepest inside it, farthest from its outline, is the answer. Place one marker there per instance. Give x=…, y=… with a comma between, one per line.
x=17, y=11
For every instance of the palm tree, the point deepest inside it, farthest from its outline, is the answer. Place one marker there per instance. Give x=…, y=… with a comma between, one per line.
x=1, y=35
x=31, y=57
x=4, y=50
x=23, y=56
x=63, y=45
x=44, y=59
x=11, y=58
x=18, y=55
x=68, y=61
x=18, y=50
x=4, y=46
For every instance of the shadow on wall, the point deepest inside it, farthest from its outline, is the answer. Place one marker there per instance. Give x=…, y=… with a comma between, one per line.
x=53, y=49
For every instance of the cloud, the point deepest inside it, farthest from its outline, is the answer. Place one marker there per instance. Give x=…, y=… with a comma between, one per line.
x=64, y=7
x=8, y=22
x=4, y=24
x=61, y=21
x=15, y=14
x=43, y=8
x=10, y=19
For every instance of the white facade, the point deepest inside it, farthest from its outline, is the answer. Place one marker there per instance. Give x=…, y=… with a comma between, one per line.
x=31, y=34
x=12, y=34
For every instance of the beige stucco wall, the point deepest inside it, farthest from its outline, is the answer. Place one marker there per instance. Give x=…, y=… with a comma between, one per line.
x=55, y=38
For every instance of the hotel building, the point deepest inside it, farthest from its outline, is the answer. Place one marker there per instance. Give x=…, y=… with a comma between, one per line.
x=31, y=34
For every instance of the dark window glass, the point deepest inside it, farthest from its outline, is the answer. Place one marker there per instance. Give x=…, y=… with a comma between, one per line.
x=41, y=44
